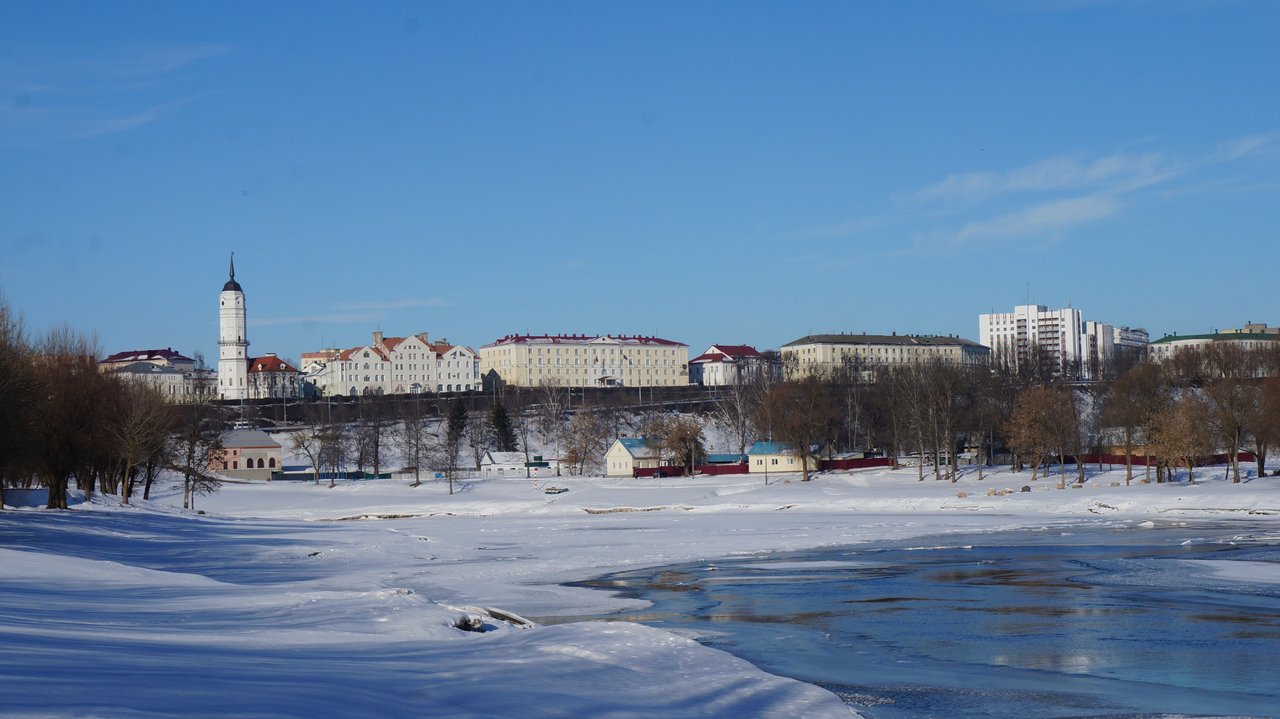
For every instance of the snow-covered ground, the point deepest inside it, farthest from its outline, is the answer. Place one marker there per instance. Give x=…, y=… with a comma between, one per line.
x=293, y=599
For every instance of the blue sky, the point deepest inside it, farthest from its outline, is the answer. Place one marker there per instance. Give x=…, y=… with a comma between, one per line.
x=708, y=172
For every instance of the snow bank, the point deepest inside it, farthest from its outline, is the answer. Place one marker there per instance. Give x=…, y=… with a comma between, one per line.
x=296, y=600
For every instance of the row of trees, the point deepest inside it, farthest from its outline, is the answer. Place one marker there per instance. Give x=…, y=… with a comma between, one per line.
x=1220, y=398
x=66, y=424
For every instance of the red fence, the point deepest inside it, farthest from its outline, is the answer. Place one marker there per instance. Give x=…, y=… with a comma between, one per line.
x=855, y=463
x=654, y=471
x=735, y=468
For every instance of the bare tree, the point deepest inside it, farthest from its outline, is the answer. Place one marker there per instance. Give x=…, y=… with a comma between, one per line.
x=1031, y=426
x=802, y=413
x=553, y=403
x=141, y=426
x=413, y=437
x=66, y=382
x=197, y=444
x=679, y=440
x=586, y=439
x=479, y=437
x=309, y=440
x=1182, y=434
x=455, y=432
x=1266, y=421
x=1134, y=399
x=17, y=395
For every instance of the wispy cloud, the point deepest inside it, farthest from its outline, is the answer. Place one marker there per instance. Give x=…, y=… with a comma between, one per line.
x=111, y=126
x=337, y=318
x=401, y=304
x=1042, y=202
x=1043, y=220
x=839, y=230
x=96, y=94
x=1122, y=172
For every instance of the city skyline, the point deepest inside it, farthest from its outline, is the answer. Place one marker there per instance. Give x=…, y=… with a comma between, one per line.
x=739, y=173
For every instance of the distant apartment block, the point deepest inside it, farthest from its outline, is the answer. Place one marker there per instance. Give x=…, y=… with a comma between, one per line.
x=723, y=365
x=1252, y=336
x=822, y=354
x=393, y=365
x=580, y=360
x=1067, y=341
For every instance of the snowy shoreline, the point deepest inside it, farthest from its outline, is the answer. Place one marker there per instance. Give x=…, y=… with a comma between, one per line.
x=309, y=586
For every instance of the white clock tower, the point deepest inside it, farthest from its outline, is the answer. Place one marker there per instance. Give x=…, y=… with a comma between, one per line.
x=233, y=346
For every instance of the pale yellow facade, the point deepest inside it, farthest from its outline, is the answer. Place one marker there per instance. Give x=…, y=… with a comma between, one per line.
x=778, y=462
x=583, y=361
x=622, y=460
x=823, y=354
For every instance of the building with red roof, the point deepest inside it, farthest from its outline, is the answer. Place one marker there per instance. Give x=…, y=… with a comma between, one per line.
x=727, y=365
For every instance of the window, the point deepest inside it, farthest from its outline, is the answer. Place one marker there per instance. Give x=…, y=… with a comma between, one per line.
x=260, y=463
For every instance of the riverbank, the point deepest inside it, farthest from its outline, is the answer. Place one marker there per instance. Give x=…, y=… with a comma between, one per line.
x=350, y=596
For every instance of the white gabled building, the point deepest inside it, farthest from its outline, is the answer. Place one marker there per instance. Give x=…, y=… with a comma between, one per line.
x=393, y=365
x=723, y=365
x=627, y=454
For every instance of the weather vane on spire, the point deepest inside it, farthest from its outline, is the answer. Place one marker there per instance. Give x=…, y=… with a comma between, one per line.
x=233, y=265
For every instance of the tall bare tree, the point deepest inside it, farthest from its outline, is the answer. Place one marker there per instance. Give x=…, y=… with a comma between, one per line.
x=1182, y=434
x=1265, y=423
x=586, y=440
x=413, y=436
x=67, y=384
x=802, y=413
x=140, y=427
x=197, y=443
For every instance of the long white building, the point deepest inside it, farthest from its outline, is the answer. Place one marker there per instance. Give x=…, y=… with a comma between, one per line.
x=823, y=354
x=587, y=361
x=1071, y=343
x=393, y=365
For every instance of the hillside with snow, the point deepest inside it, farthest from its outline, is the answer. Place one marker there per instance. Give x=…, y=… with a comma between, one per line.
x=374, y=598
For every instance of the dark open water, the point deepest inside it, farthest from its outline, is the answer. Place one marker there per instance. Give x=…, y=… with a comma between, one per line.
x=1061, y=622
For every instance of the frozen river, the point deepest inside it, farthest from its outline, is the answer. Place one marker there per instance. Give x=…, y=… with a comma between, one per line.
x=1063, y=622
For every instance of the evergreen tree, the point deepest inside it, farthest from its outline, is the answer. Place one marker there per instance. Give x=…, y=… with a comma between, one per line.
x=504, y=436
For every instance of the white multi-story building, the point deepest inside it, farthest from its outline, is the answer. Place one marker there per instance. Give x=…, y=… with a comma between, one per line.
x=587, y=361
x=1068, y=341
x=824, y=354
x=1015, y=336
x=724, y=365
x=394, y=365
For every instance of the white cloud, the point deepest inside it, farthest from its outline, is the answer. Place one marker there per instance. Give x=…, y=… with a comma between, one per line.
x=1046, y=219
x=401, y=304
x=338, y=318
x=100, y=128
x=1120, y=172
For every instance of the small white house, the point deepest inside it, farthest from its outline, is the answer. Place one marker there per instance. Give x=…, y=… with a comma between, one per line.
x=629, y=454
x=514, y=464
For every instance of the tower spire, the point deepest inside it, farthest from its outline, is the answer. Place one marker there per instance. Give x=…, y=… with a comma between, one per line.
x=232, y=285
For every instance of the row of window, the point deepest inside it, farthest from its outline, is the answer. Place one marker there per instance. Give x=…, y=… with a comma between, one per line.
x=235, y=464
